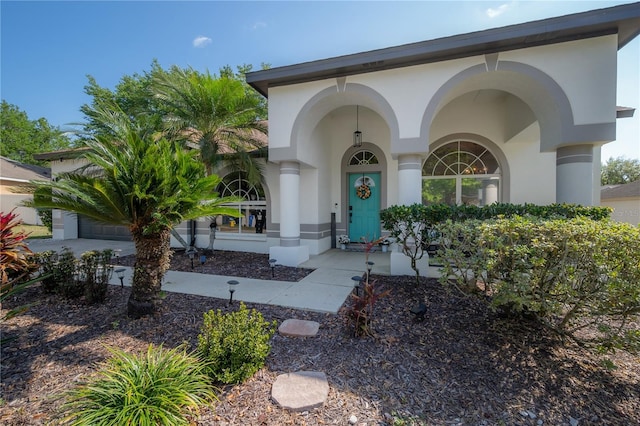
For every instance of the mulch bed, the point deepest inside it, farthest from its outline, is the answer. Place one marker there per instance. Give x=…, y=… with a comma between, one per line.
x=230, y=263
x=461, y=365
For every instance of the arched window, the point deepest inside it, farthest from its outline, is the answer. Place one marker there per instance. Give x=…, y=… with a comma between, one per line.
x=461, y=172
x=363, y=157
x=252, y=208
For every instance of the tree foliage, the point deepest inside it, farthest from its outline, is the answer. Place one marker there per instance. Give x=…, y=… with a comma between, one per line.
x=22, y=138
x=148, y=184
x=620, y=170
x=222, y=115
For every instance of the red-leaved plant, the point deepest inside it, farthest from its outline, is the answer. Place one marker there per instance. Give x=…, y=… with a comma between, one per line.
x=16, y=265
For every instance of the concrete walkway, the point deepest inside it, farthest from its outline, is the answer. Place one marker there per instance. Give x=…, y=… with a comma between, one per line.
x=324, y=290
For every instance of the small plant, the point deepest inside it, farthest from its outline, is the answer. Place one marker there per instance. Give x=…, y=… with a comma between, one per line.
x=155, y=388
x=96, y=271
x=360, y=313
x=235, y=345
x=16, y=262
x=47, y=261
x=65, y=273
x=344, y=239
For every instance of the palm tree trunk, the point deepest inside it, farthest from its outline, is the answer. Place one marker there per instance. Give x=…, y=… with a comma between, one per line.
x=153, y=257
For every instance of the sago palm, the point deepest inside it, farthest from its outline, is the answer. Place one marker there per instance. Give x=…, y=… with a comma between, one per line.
x=221, y=115
x=148, y=184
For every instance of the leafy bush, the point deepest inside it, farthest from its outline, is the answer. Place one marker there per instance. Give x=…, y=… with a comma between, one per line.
x=569, y=274
x=65, y=275
x=235, y=345
x=155, y=388
x=46, y=260
x=95, y=270
x=411, y=227
x=16, y=263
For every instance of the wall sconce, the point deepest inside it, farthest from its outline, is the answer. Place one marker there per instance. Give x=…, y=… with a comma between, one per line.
x=357, y=135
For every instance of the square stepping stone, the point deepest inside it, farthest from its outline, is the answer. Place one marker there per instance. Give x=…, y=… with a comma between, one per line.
x=300, y=391
x=298, y=328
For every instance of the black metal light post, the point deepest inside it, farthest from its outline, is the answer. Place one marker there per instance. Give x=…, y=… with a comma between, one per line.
x=272, y=263
x=191, y=252
x=120, y=273
x=203, y=259
x=369, y=268
x=232, y=289
x=117, y=252
x=357, y=280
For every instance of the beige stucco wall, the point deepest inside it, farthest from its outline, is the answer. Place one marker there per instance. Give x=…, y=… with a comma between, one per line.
x=624, y=210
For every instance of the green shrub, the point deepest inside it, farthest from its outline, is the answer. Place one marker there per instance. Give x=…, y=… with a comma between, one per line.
x=235, y=345
x=46, y=260
x=155, y=388
x=569, y=274
x=67, y=282
x=95, y=270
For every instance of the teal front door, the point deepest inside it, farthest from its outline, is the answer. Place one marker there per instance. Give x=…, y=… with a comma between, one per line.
x=364, y=206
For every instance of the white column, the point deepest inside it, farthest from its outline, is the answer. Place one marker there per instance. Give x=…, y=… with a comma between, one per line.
x=289, y=204
x=289, y=252
x=409, y=179
x=574, y=175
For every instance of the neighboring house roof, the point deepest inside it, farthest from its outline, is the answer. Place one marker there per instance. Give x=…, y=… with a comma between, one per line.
x=622, y=20
x=61, y=154
x=11, y=170
x=627, y=190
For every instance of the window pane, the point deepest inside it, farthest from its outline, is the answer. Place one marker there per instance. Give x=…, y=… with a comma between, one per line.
x=252, y=209
x=437, y=191
x=480, y=191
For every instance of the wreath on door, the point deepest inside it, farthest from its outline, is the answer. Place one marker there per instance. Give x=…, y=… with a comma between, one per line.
x=363, y=191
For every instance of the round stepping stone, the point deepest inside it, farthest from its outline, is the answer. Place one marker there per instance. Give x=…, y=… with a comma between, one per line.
x=300, y=391
x=298, y=328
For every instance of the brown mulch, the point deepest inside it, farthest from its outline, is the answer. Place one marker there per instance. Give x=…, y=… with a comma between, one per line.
x=460, y=365
x=230, y=263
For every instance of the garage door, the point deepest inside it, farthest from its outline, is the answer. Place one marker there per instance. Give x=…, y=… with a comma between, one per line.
x=88, y=228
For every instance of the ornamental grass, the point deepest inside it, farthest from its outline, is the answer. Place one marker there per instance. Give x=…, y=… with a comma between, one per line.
x=158, y=387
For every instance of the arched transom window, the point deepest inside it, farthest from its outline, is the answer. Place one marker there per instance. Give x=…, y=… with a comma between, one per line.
x=363, y=157
x=252, y=208
x=461, y=172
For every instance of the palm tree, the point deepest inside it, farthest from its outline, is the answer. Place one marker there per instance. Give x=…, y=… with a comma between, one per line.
x=223, y=116
x=146, y=183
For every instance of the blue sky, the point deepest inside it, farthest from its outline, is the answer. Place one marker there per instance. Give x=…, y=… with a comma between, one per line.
x=48, y=48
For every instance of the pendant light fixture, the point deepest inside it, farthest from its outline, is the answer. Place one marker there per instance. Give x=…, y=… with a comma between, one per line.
x=357, y=135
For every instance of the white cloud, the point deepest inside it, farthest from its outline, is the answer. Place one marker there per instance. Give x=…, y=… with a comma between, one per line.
x=201, y=41
x=492, y=13
x=259, y=25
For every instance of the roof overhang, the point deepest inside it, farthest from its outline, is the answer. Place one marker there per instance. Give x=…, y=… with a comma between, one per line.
x=62, y=154
x=622, y=20
x=624, y=112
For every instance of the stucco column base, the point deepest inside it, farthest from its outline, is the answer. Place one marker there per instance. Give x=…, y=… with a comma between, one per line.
x=401, y=264
x=289, y=256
